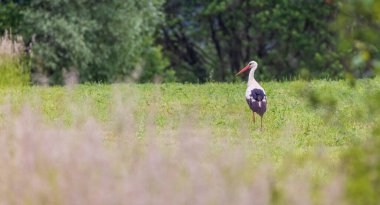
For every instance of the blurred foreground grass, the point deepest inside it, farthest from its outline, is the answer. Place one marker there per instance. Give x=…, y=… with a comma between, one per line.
x=183, y=143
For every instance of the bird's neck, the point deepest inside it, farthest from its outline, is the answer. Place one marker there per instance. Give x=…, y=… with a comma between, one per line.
x=251, y=78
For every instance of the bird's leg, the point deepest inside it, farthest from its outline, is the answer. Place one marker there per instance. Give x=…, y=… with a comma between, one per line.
x=261, y=119
x=253, y=117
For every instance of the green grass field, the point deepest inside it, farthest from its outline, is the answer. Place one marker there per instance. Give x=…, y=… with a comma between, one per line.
x=200, y=132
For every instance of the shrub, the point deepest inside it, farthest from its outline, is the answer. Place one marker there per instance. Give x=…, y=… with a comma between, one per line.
x=12, y=63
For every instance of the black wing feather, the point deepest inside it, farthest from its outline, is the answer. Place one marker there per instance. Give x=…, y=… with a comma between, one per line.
x=258, y=102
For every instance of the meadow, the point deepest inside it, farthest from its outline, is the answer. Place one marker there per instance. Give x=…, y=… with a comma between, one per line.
x=181, y=143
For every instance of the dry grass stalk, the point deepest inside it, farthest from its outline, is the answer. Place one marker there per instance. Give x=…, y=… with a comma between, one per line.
x=9, y=46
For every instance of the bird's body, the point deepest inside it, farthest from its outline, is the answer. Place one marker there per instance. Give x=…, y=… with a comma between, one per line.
x=255, y=94
x=256, y=100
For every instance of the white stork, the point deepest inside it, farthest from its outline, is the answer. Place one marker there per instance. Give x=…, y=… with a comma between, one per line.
x=255, y=94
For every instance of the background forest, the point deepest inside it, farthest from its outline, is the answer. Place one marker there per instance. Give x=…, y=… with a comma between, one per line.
x=194, y=41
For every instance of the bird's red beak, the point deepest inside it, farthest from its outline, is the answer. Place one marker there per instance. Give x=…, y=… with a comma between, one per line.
x=243, y=70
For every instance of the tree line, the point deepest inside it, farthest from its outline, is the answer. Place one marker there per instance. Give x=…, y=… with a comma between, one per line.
x=194, y=41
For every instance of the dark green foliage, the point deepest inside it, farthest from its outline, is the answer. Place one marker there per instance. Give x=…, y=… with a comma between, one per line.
x=101, y=40
x=358, y=26
x=211, y=40
x=154, y=67
x=10, y=15
x=204, y=40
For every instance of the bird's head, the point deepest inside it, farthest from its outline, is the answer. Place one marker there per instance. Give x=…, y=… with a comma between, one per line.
x=251, y=65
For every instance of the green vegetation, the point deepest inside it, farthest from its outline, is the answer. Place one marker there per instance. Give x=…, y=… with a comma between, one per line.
x=101, y=41
x=13, y=65
x=12, y=72
x=358, y=26
x=10, y=15
x=338, y=118
x=171, y=143
x=216, y=38
x=196, y=41
x=308, y=129
x=362, y=164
